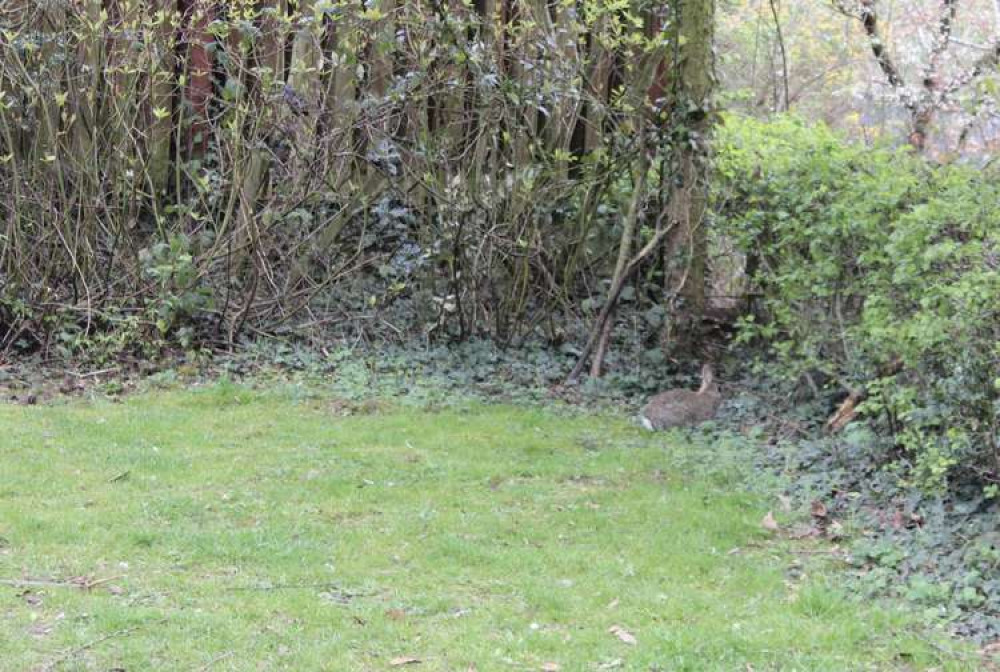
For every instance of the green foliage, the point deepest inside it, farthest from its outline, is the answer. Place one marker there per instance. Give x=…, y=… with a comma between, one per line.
x=868, y=261
x=180, y=294
x=121, y=336
x=900, y=538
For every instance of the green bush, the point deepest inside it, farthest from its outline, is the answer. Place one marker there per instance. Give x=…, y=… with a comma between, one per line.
x=881, y=271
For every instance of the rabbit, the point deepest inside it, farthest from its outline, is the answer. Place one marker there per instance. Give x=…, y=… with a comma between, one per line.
x=683, y=408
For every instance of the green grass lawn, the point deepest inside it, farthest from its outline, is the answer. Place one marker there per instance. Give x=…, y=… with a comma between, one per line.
x=230, y=530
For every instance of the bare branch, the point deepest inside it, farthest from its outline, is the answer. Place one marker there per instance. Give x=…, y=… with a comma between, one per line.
x=940, y=47
x=986, y=63
x=870, y=21
x=971, y=45
x=784, y=54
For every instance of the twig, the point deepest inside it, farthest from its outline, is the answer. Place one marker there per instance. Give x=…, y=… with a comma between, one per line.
x=43, y=583
x=836, y=552
x=34, y=584
x=219, y=658
x=300, y=586
x=51, y=665
x=91, y=374
x=90, y=585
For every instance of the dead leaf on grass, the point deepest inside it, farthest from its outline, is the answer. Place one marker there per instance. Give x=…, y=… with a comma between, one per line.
x=769, y=523
x=801, y=531
x=623, y=634
x=123, y=476
x=44, y=628
x=991, y=649
x=818, y=509
x=404, y=660
x=551, y=667
x=30, y=598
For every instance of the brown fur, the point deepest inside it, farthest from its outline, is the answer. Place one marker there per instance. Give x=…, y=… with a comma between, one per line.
x=683, y=408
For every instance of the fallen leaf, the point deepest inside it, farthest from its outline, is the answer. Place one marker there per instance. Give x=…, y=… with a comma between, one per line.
x=612, y=604
x=404, y=660
x=845, y=414
x=44, y=628
x=991, y=649
x=623, y=634
x=31, y=598
x=897, y=519
x=818, y=509
x=396, y=614
x=123, y=476
x=769, y=523
x=551, y=667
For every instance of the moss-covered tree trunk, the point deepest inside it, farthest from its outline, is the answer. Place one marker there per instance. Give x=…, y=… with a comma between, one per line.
x=689, y=121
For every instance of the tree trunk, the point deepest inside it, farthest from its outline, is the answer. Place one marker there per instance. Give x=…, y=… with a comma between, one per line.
x=691, y=118
x=162, y=89
x=197, y=17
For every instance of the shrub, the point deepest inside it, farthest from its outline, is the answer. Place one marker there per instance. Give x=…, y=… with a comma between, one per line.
x=251, y=164
x=881, y=271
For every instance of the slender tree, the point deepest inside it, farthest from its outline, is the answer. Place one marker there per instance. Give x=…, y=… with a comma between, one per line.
x=678, y=83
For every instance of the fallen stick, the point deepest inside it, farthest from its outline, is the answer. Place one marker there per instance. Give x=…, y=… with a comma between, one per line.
x=43, y=583
x=218, y=659
x=53, y=664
